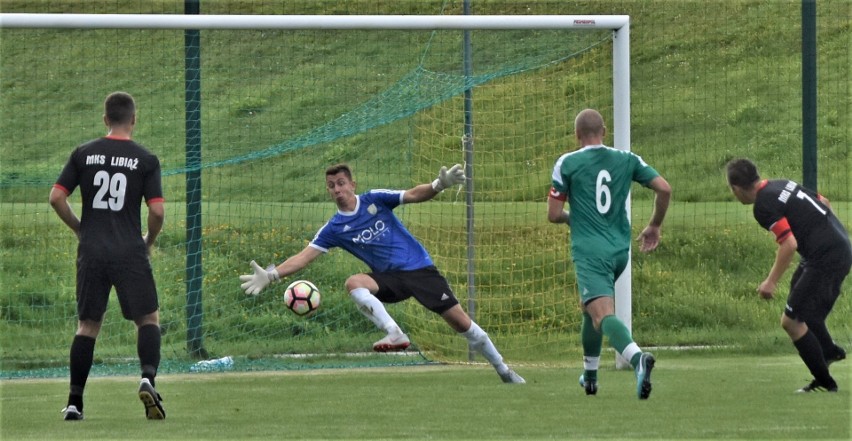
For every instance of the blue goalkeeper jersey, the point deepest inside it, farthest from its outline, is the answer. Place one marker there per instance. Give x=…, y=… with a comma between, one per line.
x=374, y=234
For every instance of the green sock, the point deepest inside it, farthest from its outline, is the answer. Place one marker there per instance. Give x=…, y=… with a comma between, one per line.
x=592, y=342
x=634, y=360
x=618, y=334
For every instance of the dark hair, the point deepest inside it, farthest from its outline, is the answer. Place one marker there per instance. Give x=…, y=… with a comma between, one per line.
x=338, y=168
x=742, y=173
x=119, y=108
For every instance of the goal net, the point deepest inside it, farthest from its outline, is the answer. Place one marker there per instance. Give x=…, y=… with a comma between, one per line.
x=278, y=104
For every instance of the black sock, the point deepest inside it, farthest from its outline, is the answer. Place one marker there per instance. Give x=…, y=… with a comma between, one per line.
x=829, y=349
x=76, y=401
x=148, y=348
x=811, y=353
x=82, y=355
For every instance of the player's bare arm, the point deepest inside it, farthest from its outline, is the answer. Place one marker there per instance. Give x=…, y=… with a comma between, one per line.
x=649, y=239
x=419, y=193
x=59, y=202
x=556, y=212
x=156, y=218
x=297, y=261
x=783, y=258
x=663, y=195
x=254, y=283
x=446, y=178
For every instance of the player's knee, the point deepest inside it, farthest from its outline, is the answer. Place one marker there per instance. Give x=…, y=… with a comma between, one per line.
x=349, y=285
x=355, y=281
x=794, y=328
x=148, y=319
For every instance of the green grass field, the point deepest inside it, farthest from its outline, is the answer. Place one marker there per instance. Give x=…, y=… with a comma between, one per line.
x=696, y=396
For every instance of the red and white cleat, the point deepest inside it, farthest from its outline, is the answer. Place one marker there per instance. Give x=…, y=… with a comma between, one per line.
x=392, y=343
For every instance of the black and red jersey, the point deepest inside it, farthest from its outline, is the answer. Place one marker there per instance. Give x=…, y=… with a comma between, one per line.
x=784, y=207
x=114, y=176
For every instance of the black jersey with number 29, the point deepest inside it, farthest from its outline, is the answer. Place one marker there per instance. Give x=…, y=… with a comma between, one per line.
x=114, y=175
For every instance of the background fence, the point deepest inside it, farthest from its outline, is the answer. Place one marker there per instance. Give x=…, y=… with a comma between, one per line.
x=710, y=81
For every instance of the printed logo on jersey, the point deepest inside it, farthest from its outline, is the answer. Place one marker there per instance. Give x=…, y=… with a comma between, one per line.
x=372, y=209
x=371, y=234
x=346, y=228
x=785, y=194
x=95, y=160
x=120, y=161
x=444, y=297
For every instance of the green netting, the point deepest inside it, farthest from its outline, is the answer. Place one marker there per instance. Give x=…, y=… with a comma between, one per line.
x=269, y=129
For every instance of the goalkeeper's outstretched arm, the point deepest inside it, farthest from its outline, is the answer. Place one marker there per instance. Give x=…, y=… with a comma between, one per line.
x=446, y=179
x=254, y=283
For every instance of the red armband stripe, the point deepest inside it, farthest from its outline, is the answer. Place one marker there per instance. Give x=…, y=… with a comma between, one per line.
x=781, y=229
x=153, y=200
x=557, y=195
x=60, y=187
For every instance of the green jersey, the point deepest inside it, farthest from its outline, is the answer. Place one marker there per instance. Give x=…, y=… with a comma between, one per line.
x=595, y=181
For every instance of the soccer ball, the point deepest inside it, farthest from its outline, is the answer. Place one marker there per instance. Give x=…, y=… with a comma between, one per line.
x=302, y=297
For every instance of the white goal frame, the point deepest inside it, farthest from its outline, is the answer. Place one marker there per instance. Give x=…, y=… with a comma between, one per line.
x=620, y=24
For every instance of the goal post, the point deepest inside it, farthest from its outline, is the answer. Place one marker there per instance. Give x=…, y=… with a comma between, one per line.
x=620, y=87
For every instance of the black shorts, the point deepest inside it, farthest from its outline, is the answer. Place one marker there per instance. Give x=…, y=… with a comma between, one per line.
x=133, y=282
x=427, y=285
x=813, y=292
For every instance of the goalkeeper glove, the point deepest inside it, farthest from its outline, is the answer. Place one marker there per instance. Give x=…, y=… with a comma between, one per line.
x=253, y=284
x=448, y=178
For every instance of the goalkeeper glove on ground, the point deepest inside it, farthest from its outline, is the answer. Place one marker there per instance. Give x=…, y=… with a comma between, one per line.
x=253, y=284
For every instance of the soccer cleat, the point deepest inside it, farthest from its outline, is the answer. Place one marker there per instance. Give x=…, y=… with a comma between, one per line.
x=152, y=401
x=838, y=355
x=643, y=375
x=391, y=344
x=511, y=377
x=70, y=413
x=815, y=386
x=590, y=386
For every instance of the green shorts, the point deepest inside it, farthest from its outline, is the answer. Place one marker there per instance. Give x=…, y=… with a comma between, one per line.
x=596, y=276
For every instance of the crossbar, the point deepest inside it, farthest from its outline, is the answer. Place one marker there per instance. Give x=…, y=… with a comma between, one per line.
x=398, y=22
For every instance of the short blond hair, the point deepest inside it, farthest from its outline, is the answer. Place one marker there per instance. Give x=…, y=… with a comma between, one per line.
x=589, y=122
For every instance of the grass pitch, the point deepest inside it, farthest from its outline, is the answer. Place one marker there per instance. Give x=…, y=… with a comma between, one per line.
x=696, y=396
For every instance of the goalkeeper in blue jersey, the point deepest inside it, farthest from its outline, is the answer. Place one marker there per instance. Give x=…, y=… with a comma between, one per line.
x=595, y=180
x=366, y=227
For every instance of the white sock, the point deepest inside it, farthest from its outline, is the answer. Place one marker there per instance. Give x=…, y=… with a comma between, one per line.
x=480, y=341
x=373, y=309
x=631, y=350
x=591, y=363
